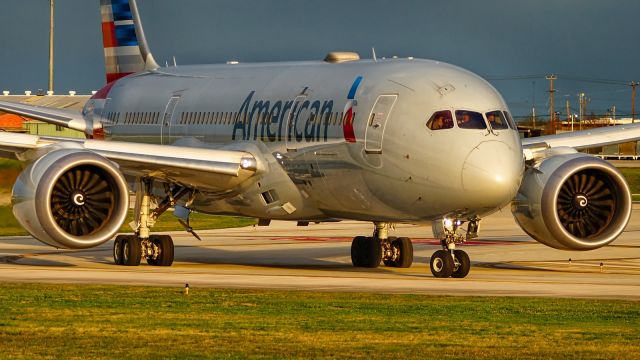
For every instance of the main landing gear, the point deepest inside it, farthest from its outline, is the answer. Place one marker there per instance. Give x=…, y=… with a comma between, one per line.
x=391, y=251
x=158, y=250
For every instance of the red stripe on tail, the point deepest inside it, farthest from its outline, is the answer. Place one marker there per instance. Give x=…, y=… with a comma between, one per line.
x=109, y=39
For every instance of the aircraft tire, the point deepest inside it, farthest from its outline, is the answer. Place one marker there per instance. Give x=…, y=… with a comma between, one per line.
x=463, y=264
x=165, y=243
x=405, y=250
x=131, y=251
x=366, y=252
x=441, y=264
x=117, y=250
x=356, y=250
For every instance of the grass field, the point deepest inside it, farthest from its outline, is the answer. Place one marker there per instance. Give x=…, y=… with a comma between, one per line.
x=68, y=321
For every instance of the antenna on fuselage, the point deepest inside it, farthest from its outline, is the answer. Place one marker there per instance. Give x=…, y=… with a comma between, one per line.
x=373, y=53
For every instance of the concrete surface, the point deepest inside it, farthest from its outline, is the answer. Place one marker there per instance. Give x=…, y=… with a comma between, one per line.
x=506, y=262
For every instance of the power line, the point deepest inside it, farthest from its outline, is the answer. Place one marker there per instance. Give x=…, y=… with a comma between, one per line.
x=583, y=79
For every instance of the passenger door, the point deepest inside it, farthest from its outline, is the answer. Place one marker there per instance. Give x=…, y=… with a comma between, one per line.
x=377, y=122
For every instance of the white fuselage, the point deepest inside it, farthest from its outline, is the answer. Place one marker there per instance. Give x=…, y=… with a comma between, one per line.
x=384, y=165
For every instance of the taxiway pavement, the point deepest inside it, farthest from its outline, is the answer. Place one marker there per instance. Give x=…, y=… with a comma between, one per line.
x=505, y=262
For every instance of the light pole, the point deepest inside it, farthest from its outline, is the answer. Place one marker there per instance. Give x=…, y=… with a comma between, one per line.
x=51, y=46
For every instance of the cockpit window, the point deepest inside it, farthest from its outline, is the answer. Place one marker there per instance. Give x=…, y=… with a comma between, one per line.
x=497, y=120
x=510, y=120
x=440, y=120
x=470, y=120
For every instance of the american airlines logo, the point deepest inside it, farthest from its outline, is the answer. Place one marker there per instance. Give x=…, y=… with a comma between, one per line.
x=299, y=120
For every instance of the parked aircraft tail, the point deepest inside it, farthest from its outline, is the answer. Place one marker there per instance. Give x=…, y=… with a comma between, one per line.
x=125, y=46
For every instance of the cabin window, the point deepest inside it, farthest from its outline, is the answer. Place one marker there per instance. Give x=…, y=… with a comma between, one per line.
x=470, y=120
x=440, y=120
x=497, y=120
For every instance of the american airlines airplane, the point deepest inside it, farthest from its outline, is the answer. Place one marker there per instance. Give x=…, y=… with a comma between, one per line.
x=382, y=140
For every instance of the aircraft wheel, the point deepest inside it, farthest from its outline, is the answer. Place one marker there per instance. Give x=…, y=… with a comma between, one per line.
x=131, y=251
x=441, y=264
x=404, y=249
x=165, y=245
x=117, y=249
x=366, y=252
x=461, y=264
x=388, y=251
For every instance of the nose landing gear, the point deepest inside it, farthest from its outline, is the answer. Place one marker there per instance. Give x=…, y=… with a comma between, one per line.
x=450, y=262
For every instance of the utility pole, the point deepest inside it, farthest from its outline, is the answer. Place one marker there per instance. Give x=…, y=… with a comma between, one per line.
x=51, y=46
x=613, y=110
x=633, y=85
x=568, y=108
x=583, y=107
x=552, y=90
x=533, y=110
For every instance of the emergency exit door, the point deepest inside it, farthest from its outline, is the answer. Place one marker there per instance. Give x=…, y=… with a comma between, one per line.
x=377, y=122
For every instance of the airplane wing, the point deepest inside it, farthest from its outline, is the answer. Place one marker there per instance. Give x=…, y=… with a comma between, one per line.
x=214, y=170
x=583, y=139
x=61, y=117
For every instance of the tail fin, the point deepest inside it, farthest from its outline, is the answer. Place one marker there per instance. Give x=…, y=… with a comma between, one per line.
x=125, y=46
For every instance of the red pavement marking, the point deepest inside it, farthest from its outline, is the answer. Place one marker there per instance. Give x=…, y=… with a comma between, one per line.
x=422, y=241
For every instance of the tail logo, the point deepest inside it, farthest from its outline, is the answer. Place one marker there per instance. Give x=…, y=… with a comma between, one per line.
x=121, y=46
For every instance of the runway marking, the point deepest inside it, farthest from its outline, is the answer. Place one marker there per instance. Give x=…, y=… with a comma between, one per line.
x=422, y=241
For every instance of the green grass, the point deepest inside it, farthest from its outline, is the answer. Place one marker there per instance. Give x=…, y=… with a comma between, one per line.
x=167, y=222
x=633, y=179
x=9, y=226
x=71, y=321
x=10, y=164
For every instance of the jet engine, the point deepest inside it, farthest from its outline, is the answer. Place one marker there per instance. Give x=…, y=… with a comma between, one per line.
x=573, y=201
x=72, y=199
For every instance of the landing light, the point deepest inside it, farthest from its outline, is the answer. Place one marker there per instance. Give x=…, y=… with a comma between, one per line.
x=248, y=164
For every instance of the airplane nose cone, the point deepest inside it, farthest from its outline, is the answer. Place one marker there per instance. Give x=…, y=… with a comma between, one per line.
x=492, y=173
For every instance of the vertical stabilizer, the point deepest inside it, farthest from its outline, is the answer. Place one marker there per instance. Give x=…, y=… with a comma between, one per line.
x=125, y=47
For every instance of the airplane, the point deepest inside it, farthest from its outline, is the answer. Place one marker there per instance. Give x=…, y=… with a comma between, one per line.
x=379, y=140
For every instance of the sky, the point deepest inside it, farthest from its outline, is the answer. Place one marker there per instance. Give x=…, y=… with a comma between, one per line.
x=592, y=45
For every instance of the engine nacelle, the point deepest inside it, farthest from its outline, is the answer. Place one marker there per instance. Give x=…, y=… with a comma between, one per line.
x=573, y=201
x=72, y=199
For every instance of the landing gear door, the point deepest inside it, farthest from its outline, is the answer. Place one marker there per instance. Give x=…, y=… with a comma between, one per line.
x=377, y=122
x=165, y=126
